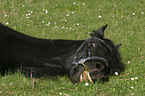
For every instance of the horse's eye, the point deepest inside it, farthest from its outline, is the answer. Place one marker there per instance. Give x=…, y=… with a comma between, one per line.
x=93, y=44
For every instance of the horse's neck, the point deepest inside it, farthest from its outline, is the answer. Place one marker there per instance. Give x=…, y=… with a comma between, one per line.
x=66, y=46
x=68, y=49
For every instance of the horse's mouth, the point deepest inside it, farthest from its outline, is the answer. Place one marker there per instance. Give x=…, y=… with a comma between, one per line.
x=85, y=76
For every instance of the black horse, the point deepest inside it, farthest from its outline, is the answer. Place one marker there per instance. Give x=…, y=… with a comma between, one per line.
x=98, y=56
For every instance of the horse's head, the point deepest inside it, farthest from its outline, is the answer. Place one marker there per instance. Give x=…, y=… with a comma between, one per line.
x=96, y=58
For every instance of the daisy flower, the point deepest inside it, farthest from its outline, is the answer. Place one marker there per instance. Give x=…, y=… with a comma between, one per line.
x=132, y=87
x=86, y=84
x=133, y=13
x=116, y=73
x=132, y=78
x=7, y=23
x=142, y=12
x=67, y=15
x=99, y=16
x=74, y=3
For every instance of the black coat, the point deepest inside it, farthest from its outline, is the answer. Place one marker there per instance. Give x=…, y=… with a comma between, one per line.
x=49, y=57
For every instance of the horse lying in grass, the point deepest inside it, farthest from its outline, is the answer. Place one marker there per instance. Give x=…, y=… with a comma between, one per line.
x=91, y=59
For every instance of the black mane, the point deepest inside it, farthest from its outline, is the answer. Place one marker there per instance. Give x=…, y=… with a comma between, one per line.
x=115, y=60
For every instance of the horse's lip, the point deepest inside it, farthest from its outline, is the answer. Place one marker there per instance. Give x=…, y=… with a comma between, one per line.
x=85, y=76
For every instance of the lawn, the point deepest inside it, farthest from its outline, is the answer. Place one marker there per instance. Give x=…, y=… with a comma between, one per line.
x=75, y=19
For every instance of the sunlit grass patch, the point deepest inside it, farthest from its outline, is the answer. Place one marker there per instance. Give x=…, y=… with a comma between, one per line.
x=65, y=19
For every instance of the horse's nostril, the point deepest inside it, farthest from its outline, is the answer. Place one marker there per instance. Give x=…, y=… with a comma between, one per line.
x=99, y=66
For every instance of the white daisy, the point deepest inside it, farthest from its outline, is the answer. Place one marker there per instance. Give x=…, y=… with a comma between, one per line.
x=67, y=15
x=116, y=73
x=46, y=11
x=136, y=78
x=99, y=16
x=86, y=84
x=132, y=78
x=132, y=87
x=7, y=23
x=142, y=12
x=74, y=2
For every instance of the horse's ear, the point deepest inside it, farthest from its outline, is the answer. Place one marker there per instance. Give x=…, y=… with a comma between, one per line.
x=117, y=46
x=99, y=33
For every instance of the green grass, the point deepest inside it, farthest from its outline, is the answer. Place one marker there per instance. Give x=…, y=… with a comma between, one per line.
x=124, y=27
